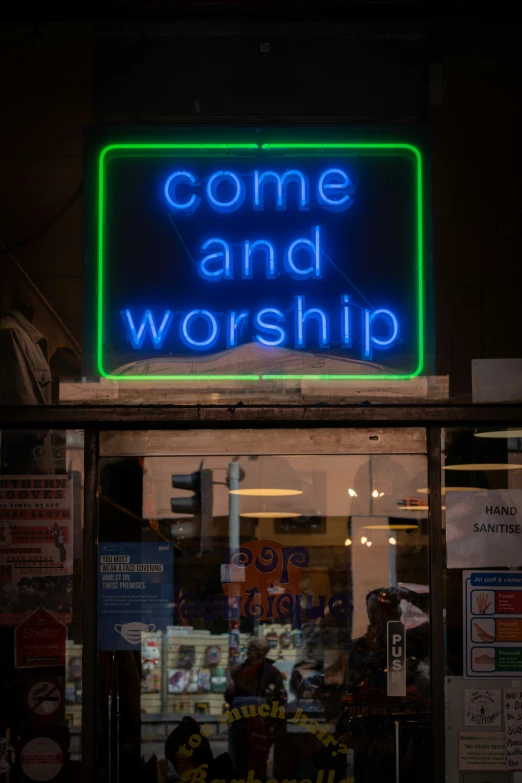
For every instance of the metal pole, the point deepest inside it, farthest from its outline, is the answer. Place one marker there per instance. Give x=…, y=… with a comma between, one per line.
x=89, y=603
x=117, y=739
x=397, y=751
x=392, y=565
x=233, y=544
x=437, y=651
x=164, y=671
x=233, y=507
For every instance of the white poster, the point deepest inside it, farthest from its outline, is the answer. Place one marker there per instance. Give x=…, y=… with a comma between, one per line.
x=41, y=759
x=480, y=751
x=484, y=528
x=482, y=708
x=513, y=719
x=492, y=624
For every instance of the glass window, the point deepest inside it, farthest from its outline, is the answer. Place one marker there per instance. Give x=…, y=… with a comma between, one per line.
x=482, y=511
x=41, y=571
x=250, y=612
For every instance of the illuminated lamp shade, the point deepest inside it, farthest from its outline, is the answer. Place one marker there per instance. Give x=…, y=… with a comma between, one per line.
x=390, y=527
x=419, y=508
x=266, y=493
x=269, y=514
x=483, y=466
x=513, y=433
x=271, y=488
x=348, y=542
x=425, y=490
x=476, y=456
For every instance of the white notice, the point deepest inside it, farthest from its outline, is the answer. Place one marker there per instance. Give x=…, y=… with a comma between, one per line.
x=482, y=708
x=483, y=529
x=513, y=723
x=41, y=759
x=482, y=751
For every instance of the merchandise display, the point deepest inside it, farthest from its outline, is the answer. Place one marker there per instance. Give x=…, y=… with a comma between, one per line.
x=213, y=655
x=187, y=656
x=205, y=681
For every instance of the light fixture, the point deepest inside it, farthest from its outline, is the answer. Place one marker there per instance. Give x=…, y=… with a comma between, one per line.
x=184, y=527
x=348, y=542
x=484, y=466
x=363, y=539
x=392, y=541
x=352, y=493
x=415, y=508
x=389, y=527
x=419, y=508
x=267, y=493
x=269, y=514
x=499, y=434
x=368, y=543
x=444, y=490
x=377, y=494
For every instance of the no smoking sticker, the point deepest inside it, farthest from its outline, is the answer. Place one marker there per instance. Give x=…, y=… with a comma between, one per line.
x=44, y=698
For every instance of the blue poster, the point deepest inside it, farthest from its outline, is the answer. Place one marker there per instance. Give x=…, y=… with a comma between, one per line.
x=135, y=592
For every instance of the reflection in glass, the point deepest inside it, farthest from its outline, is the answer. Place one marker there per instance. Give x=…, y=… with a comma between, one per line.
x=274, y=660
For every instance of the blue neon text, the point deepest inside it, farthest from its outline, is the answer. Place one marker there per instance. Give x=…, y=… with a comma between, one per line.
x=307, y=326
x=299, y=322
x=225, y=191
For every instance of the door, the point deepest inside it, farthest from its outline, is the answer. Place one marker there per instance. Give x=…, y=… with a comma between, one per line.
x=263, y=606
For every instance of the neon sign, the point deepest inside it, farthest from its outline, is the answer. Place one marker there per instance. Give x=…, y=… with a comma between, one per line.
x=311, y=250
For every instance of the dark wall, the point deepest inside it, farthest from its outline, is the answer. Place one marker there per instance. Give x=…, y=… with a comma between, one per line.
x=56, y=79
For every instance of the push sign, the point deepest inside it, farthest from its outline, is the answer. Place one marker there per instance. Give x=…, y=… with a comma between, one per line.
x=396, y=659
x=248, y=261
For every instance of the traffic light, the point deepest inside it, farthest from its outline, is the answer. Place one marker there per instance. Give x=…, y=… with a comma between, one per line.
x=199, y=504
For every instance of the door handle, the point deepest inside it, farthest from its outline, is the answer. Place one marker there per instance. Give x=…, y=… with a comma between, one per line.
x=397, y=752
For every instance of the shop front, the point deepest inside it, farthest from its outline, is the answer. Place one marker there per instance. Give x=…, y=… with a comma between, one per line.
x=262, y=600
x=256, y=542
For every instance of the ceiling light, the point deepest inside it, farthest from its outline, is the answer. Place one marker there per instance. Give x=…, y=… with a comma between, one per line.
x=418, y=508
x=269, y=493
x=352, y=493
x=270, y=514
x=368, y=543
x=484, y=466
x=348, y=542
x=444, y=490
x=415, y=508
x=375, y=493
x=392, y=541
x=500, y=434
x=389, y=527
x=363, y=540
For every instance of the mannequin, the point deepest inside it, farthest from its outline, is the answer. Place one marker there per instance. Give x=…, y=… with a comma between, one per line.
x=25, y=377
x=23, y=307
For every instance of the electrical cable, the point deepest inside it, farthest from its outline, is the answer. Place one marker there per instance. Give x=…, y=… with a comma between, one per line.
x=77, y=349
x=71, y=201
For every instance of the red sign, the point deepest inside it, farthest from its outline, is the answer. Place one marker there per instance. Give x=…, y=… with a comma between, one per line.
x=44, y=698
x=40, y=641
x=508, y=601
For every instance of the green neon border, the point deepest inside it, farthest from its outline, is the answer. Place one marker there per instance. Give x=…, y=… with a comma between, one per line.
x=268, y=146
